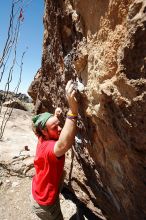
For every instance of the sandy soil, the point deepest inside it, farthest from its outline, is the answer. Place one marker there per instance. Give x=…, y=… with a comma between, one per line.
x=14, y=182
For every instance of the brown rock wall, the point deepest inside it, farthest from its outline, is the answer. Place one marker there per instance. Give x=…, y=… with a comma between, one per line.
x=104, y=44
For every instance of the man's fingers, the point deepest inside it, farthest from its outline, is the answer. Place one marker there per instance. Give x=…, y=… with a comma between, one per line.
x=68, y=85
x=70, y=89
x=70, y=95
x=73, y=93
x=58, y=111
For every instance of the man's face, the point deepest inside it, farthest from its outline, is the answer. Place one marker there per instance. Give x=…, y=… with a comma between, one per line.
x=53, y=128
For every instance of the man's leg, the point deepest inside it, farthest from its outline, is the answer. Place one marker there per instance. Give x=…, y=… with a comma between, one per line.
x=50, y=212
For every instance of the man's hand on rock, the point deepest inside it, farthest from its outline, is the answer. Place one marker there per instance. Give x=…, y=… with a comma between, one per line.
x=70, y=95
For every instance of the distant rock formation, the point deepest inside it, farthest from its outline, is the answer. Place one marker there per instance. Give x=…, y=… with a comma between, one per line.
x=103, y=43
x=15, y=104
x=6, y=96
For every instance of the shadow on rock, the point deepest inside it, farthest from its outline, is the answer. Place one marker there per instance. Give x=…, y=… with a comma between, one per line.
x=82, y=211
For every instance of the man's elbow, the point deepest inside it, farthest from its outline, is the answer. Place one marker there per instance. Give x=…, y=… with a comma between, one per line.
x=64, y=144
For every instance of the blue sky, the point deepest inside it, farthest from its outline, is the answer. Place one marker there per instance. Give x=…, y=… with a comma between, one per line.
x=30, y=36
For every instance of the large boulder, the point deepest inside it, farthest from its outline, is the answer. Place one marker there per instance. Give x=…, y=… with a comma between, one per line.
x=103, y=43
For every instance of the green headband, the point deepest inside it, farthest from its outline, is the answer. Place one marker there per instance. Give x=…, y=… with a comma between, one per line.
x=41, y=119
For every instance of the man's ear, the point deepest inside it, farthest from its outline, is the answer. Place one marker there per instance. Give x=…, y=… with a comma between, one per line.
x=58, y=112
x=45, y=133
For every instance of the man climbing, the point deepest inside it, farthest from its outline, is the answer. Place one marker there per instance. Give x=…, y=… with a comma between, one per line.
x=53, y=143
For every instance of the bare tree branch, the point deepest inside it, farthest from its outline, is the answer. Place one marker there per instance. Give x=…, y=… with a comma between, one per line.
x=10, y=49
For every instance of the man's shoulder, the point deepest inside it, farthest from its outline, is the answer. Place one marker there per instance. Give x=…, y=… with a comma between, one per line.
x=50, y=145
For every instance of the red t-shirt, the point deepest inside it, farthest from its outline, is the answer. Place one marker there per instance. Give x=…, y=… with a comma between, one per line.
x=49, y=170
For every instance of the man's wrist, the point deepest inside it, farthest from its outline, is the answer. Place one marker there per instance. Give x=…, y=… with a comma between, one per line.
x=71, y=112
x=72, y=117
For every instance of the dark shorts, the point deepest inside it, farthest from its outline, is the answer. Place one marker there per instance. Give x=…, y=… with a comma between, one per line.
x=48, y=212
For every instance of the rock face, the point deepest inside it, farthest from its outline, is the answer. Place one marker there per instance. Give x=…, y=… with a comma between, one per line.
x=103, y=43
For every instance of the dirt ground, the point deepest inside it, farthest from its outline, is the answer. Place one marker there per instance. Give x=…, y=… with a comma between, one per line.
x=15, y=172
x=15, y=203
